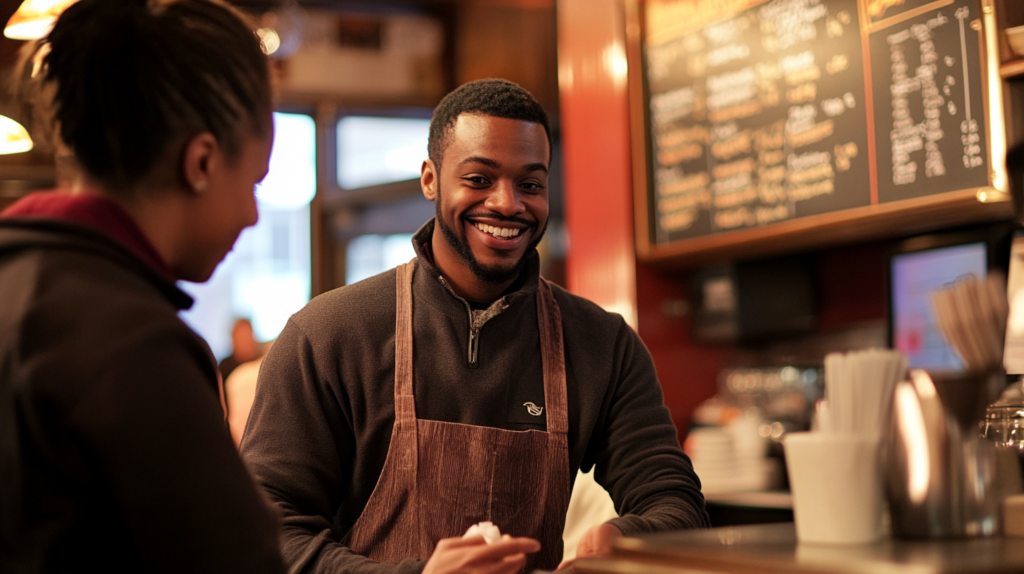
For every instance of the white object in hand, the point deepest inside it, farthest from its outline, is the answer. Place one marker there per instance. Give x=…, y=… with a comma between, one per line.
x=486, y=529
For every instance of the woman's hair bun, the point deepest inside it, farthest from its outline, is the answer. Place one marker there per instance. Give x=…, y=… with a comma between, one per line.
x=107, y=12
x=131, y=76
x=113, y=5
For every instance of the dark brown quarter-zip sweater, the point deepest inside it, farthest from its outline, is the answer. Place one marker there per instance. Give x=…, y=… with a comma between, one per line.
x=318, y=433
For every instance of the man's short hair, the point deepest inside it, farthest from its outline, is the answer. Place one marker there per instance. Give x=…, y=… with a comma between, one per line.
x=491, y=97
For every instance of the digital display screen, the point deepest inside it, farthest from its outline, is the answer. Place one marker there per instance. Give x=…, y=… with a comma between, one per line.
x=915, y=276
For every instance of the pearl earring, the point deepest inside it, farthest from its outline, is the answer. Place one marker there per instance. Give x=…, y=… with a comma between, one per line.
x=199, y=186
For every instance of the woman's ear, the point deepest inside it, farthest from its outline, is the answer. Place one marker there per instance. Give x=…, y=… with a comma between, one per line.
x=197, y=161
x=428, y=179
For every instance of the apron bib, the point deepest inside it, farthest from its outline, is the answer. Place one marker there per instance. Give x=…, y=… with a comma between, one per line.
x=440, y=478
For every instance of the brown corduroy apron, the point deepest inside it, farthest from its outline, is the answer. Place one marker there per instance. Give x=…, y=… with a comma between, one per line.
x=440, y=478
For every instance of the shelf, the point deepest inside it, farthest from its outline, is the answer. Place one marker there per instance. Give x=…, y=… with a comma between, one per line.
x=853, y=225
x=1012, y=69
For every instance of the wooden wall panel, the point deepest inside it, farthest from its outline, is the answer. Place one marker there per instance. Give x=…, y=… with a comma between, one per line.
x=511, y=41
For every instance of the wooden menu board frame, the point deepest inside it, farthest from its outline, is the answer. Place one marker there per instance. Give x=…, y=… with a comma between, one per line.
x=878, y=220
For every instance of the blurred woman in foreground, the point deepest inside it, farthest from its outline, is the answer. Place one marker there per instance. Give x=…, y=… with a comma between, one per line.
x=114, y=455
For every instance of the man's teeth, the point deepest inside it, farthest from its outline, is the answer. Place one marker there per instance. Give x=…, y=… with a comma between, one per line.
x=498, y=231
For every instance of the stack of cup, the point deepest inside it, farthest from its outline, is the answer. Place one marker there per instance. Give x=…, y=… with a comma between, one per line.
x=834, y=471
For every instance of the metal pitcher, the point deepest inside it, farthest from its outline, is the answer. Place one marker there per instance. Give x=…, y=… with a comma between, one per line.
x=941, y=476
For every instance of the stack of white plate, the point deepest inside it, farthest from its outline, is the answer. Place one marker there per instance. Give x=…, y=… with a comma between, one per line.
x=725, y=462
x=711, y=452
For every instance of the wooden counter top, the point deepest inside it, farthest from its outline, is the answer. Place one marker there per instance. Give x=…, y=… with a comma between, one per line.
x=773, y=549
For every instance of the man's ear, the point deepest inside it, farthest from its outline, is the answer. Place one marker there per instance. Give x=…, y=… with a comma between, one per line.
x=428, y=179
x=197, y=160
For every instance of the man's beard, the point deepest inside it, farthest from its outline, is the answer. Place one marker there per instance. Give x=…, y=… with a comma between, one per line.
x=488, y=274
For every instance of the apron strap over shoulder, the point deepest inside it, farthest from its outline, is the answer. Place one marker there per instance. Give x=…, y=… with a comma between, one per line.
x=405, y=402
x=549, y=319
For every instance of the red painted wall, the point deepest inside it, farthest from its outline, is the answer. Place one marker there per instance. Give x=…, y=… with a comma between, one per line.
x=688, y=372
x=595, y=136
x=852, y=285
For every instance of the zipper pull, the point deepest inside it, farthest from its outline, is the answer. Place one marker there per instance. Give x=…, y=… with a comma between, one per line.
x=474, y=339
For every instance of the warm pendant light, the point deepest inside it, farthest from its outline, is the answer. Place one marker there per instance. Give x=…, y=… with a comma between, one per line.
x=13, y=137
x=271, y=41
x=34, y=18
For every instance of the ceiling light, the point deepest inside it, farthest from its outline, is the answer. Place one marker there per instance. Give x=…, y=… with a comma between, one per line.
x=13, y=137
x=271, y=41
x=34, y=18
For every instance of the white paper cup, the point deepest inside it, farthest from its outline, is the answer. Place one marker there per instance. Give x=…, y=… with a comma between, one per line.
x=836, y=486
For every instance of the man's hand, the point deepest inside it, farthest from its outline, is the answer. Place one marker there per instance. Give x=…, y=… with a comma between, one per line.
x=595, y=542
x=474, y=556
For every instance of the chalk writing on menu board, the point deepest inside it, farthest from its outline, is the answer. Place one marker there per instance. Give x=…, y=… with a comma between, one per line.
x=929, y=114
x=763, y=116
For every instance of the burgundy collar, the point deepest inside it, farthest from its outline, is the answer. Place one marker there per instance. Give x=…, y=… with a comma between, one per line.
x=94, y=211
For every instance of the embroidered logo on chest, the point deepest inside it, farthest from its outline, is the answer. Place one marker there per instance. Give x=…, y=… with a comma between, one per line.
x=533, y=409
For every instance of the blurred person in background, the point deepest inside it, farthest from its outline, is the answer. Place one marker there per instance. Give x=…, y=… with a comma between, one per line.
x=114, y=454
x=239, y=392
x=244, y=348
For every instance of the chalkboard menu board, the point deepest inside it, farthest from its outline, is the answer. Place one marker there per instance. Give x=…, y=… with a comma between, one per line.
x=929, y=103
x=763, y=112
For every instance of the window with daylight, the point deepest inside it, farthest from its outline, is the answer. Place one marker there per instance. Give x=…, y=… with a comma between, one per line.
x=380, y=150
x=266, y=277
x=368, y=255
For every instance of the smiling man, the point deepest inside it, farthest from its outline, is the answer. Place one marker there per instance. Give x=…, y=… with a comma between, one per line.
x=496, y=206
x=393, y=414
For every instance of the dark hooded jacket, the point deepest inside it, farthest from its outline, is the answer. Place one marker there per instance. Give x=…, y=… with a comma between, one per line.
x=114, y=456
